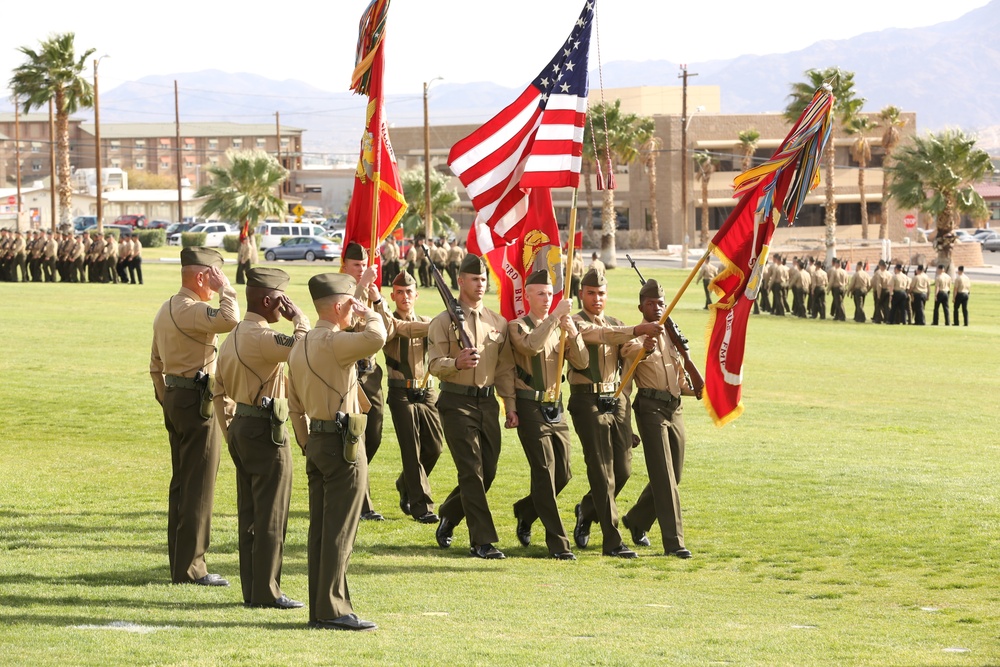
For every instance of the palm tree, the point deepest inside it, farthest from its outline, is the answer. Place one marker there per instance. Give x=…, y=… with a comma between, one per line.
x=649, y=149
x=620, y=133
x=844, y=106
x=706, y=167
x=935, y=174
x=892, y=121
x=748, y=142
x=861, y=151
x=443, y=202
x=246, y=190
x=53, y=73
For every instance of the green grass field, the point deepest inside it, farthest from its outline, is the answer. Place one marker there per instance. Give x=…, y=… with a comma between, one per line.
x=851, y=516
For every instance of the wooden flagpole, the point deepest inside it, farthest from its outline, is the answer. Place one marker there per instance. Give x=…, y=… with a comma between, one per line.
x=663, y=319
x=552, y=394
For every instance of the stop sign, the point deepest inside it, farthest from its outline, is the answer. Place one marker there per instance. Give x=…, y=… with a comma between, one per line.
x=910, y=221
x=12, y=200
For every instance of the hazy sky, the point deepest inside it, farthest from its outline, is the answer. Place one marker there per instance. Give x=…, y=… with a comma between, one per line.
x=461, y=40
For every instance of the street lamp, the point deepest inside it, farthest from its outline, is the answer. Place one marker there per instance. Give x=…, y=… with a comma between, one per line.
x=429, y=230
x=97, y=152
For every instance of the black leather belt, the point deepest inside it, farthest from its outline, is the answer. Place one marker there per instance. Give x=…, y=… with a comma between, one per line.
x=596, y=388
x=467, y=390
x=536, y=396
x=657, y=394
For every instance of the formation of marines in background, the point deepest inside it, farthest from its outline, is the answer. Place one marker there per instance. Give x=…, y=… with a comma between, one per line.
x=445, y=376
x=43, y=256
x=897, y=297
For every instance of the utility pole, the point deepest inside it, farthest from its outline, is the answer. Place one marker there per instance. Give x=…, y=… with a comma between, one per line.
x=97, y=151
x=177, y=129
x=277, y=128
x=17, y=157
x=52, y=163
x=684, y=162
x=429, y=229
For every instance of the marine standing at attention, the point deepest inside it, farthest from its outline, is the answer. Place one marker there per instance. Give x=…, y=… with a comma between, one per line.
x=250, y=395
x=182, y=365
x=470, y=379
x=326, y=406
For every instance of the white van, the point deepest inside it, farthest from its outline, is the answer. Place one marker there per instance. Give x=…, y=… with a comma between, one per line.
x=271, y=233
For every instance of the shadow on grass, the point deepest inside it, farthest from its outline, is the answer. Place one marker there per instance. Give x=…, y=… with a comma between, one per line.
x=77, y=601
x=63, y=621
x=126, y=578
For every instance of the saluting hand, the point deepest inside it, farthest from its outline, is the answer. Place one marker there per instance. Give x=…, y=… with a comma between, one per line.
x=217, y=279
x=287, y=309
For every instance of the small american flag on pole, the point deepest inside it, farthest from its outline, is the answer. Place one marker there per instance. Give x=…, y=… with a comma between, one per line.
x=535, y=142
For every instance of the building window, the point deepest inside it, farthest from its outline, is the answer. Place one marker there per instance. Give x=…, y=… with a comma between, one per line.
x=164, y=143
x=189, y=164
x=285, y=143
x=36, y=166
x=116, y=164
x=213, y=144
x=237, y=142
x=261, y=142
x=36, y=147
x=140, y=143
x=140, y=164
x=115, y=145
x=188, y=143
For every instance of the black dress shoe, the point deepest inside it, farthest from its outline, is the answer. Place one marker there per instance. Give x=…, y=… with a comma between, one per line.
x=211, y=580
x=639, y=537
x=444, y=532
x=565, y=555
x=427, y=517
x=523, y=531
x=348, y=622
x=372, y=516
x=680, y=553
x=581, y=533
x=284, y=602
x=487, y=551
x=404, y=500
x=621, y=551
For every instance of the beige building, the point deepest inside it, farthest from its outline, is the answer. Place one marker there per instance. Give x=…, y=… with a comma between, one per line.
x=707, y=130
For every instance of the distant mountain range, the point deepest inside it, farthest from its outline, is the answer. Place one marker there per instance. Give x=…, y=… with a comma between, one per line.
x=949, y=74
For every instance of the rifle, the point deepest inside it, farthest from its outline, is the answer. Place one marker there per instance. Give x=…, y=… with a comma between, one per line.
x=679, y=341
x=451, y=304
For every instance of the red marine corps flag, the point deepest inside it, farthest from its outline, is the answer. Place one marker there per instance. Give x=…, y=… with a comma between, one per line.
x=377, y=202
x=537, y=141
x=778, y=186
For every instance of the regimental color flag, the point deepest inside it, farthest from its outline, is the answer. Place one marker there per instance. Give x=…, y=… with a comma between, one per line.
x=537, y=141
x=778, y=186
x=538, y=249
x=377, y=202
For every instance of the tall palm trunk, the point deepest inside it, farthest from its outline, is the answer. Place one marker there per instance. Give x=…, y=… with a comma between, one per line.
x=945, y=226
x=883, y=223
x=862, y=198
x=655, y=223
x=703, y=237
x=65, y=188
x=831, y=204
x=608, y=227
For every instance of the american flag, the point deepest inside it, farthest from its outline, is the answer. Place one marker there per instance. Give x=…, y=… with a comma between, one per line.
x=535, y=142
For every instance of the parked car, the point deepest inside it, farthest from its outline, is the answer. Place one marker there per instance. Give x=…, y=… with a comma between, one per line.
x=992, y=243
x=178, y=227
x=271, y=233
x=158, y=224
x=963, y=236
x=981, y=235
x=309, y=248
x=122, y=229
x=81, y=222
x=132, y=220
x=214, y=233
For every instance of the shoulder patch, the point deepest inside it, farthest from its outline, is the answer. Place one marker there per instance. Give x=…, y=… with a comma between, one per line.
x=284, y=340
x=212, y=312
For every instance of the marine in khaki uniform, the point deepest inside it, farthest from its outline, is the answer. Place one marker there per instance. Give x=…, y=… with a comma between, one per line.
x=455, y=255
x=326, y=405
x=596, y=265
x=920, y=289
x=602, y=422
x=470, y=379
x=124, y=257
x=412, y=401
x=355, y=264
x=541, y=423
x=390, y=261
x=708, y=272
x=963, y=286
x=79, y=253
x=50, y=248
x=858, y=288
x=838, y=286
x=661, y=381
x=245, y=257
x=819, y=285
x=942, y=288
x=33, y=254
x=110, y=258
x=576, y=275
x=181, y=364
x=900, y=297
x=135, y=264
x=805, y=280
x=779, y=285
x=250, y=396
x=882, y=288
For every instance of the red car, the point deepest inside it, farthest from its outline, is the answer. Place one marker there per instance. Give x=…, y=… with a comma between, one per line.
x=132, y=221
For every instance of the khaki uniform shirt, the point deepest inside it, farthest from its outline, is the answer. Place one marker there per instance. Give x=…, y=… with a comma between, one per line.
x=920, y=284
x=838, y=278
x=805, y=279
x=185, y=331
x=577, y=271
x=942, y=283
x=243, y=256
x=708, y=271
x=51, y=249
x=860, y=280
x=609, y=334
x=820, y=279
x=333, y=354
x=794, y=279
x=962, y=284
x=662, y=369
x=411, y=332
x=251, y=364
x=456, y=254
x=488, y=332
x=542, y=340
x=389, y=251
x=781, y=275
x=598, y=265
x=125, y=248
x=900, y=282
x=881, y=281
x=136, y=247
